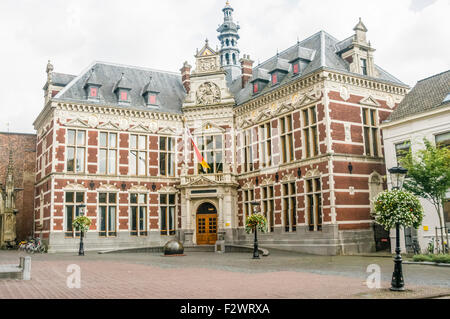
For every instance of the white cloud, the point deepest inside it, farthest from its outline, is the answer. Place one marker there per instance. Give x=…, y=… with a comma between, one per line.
x=411, y=37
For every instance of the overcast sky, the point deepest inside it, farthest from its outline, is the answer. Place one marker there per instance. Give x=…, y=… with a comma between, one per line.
x=412, y=37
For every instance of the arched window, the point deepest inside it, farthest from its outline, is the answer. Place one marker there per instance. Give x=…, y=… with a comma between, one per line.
x=232, y=42
x=227, y=57
x=227, y=42
x=234, y=58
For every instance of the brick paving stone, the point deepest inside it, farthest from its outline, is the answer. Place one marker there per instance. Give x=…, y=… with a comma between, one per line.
x=198, y=276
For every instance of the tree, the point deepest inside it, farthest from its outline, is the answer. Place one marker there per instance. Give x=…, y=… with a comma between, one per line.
x=429, y=176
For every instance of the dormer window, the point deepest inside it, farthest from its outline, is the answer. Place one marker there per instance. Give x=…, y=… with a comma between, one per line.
x=124, y=96
x=255, y=88
x=296, y=68
x=274, y=78
x=152, y=99
x=93, y=92
x=364, y=66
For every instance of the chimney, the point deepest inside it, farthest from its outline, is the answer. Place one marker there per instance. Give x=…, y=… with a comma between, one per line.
x=247, y=69
x=186, y=76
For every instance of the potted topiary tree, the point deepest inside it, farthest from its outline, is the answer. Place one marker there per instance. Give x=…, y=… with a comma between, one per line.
x=82, y=224
x=254, y=223
x=397, y=208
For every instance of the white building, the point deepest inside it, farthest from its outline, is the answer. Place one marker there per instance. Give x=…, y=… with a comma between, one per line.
x=424, y=113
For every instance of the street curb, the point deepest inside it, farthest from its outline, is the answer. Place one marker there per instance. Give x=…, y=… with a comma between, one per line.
x=432, y=296
x=427, y=263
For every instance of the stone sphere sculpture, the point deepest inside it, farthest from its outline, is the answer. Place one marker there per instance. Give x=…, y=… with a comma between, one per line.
x=173, y=247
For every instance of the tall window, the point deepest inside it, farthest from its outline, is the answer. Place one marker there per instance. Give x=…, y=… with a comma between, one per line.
x=314, y=204
x=248, y=151
x=108, y=153
x=73, y=199
x=443, y=140
x=108, y=214
x=370, y=124
x=364, y=66
x=138, y=155
x=138, y=222
x=167, y=205
x=76, y=149
x=401, y=150
x=248, y=198
x=265, y=145
x=166, y=156
x=287, y=141
x=310, y=132
x=211, y=148
x=268, y=206
x=289, y=207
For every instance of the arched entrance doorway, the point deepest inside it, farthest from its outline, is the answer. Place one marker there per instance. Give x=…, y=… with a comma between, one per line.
x=206, y=224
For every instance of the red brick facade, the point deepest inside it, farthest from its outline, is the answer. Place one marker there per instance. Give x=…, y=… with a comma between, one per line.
x=24, y=160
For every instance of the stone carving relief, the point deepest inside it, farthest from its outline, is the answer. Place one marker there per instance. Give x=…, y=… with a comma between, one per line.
x=345, y=95
x=348, y=135
x=208, y=93
x=208, y=64
x=390, y=101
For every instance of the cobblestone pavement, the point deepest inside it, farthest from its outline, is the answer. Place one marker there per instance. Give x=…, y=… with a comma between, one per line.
x=208, y=275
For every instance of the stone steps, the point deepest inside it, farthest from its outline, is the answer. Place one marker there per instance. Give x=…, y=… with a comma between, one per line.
x=202, y=248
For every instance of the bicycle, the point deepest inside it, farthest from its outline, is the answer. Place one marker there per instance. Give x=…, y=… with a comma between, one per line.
x=416, y=247
x=35, y=246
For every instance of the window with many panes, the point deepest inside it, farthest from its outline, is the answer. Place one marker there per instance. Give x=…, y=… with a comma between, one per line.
x=108, y=153
x=401, y=150
x=310, y=132
x=167, y=204
x=166, y=156
x=108, y=214
x=138, y=155
x=370, y=127
x=268, y=206
x=247, y=151
x=76, y=150
x=248, y=198
x=287, y=140
x=289, y=207
x=211, y=148
x=138, y=217
x=442, y=140
x=265, y=145
x=72, y=201
x=314, y=203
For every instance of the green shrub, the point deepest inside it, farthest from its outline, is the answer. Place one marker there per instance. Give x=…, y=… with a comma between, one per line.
x=441, y=258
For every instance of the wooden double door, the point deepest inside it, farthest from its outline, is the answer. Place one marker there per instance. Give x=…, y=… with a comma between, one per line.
x=206, y=224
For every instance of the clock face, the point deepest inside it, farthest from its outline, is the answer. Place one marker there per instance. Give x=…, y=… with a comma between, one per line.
x=208, y=93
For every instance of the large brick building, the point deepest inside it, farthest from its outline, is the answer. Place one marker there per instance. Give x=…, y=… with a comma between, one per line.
x=299, y=133
x=23, y=147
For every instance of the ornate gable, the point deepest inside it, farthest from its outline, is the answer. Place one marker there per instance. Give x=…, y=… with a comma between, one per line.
x=370, y=101
x=284, y=108
x=209, y=128
x=108, y=126
x=167, y=131
x=306, y=99
x=78, y=123
x=139, y=129
x=264, y=115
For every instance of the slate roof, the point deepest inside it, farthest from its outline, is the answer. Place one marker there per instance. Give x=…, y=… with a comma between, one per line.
x=60, y=79
x=320, y=51
x=169, y=85
x=428, y=94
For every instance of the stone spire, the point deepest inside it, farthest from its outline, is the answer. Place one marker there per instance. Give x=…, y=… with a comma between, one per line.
x=229, y=51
